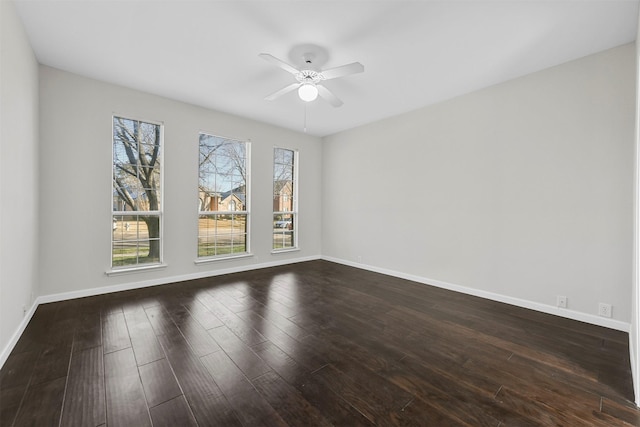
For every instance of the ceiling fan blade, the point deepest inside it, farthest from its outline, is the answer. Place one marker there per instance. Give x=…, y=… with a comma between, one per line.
x=286, y=89
x=328, y=96
x=343, y=70
x=279, y=63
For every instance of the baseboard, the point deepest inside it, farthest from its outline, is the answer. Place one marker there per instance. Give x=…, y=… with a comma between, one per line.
x=634, y=373
x=165, y=280
x=544, y=308
x=63, y=296
x=570, y=314
x=6, y=351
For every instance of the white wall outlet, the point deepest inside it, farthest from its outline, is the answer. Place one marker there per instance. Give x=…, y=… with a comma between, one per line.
x=562, y=301
x=24, y=310
x=604, y=310
x=359, y=258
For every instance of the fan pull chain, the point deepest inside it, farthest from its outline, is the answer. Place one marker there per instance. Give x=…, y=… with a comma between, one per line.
x=305, y=117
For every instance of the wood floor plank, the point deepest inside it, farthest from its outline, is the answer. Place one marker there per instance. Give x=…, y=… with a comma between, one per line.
x=54, y=359
x=222, y=295
x=14, y=379
x=159, y=319
x=279, y=321
x=17, y=369
x=376, y=403
x=536, y=411
x=84, y=402
x=447, y=394
x=287, y=401
x=533, y=379
x=159, y=383
x=145, y=345
x=88, y=334
x=626, y=413
x=10, y=400
x=126, y=404
x=333, y=407
x=201, y=342
x=250, y=407
x=114, y=332
x=242, y=329
x=294, y=373
x=249, y=363
x=421, y=413
x=206, y=400
x=173, y=413
x=199, y=312
x=36, y=334
x=33, y=412
x=301, y=353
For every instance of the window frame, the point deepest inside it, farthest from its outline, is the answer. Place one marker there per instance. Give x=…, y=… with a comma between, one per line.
x=118, y=269
x=294, y=208
x=247, y=204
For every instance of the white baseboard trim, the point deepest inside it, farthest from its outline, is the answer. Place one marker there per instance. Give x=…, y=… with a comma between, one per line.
x=634, y=373
x=544, y=308
x=6, y=351
x=570, y=314
x=63, y=296
x=165, y=280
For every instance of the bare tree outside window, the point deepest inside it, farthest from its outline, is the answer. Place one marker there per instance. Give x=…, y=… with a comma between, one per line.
x=223, y=197
x=136, y=192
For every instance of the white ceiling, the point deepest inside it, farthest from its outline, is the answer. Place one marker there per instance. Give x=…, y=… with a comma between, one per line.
x=415, y=53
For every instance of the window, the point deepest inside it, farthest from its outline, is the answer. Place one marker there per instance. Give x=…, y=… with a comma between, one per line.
x=223, y=193
x=285, y=200
x=137, y=193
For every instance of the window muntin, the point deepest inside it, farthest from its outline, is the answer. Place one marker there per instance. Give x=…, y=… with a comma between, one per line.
x=137, y=193
x=285, y=200
x=223, y=210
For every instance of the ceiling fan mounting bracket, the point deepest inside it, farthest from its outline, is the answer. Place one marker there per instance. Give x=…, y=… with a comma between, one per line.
x=308, y=58
x=308, y=55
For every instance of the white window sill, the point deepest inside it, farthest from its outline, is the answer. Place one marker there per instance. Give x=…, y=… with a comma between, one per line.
x=284, y=251
x=201, y=261
x=140, y=269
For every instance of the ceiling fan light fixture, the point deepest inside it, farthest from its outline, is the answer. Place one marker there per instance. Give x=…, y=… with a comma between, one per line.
x=308, y=92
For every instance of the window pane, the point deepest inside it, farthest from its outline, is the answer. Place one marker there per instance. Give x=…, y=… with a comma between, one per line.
x=221, y=235
x=284, y=199
x=222, y=188
x=136, y=189
x=283, y=225
x=136, y=164
x=239, y=224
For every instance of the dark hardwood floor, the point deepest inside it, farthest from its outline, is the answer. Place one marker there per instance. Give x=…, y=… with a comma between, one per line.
x=309, y=344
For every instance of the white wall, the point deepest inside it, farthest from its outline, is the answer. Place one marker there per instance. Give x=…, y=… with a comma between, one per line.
x=18, y=175
x=521, y=192
x=634, y=333
x=76, y=143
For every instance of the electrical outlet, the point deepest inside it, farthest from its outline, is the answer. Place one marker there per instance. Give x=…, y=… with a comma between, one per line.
x=604, y=310
x=562, y=301
x=24, y=310
x=359, y=258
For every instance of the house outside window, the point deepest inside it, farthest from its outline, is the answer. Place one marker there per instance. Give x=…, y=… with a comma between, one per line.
x=285, y=200
x=223, y=215
x=137, y=193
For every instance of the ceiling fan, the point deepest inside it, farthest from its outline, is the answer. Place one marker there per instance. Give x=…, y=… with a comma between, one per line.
x=309, y=81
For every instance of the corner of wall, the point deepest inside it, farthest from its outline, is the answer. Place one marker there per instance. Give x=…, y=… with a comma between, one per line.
x=634, y=332
x=19, y=141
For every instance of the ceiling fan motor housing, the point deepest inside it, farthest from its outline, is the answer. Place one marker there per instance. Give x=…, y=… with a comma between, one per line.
x=309, y=76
